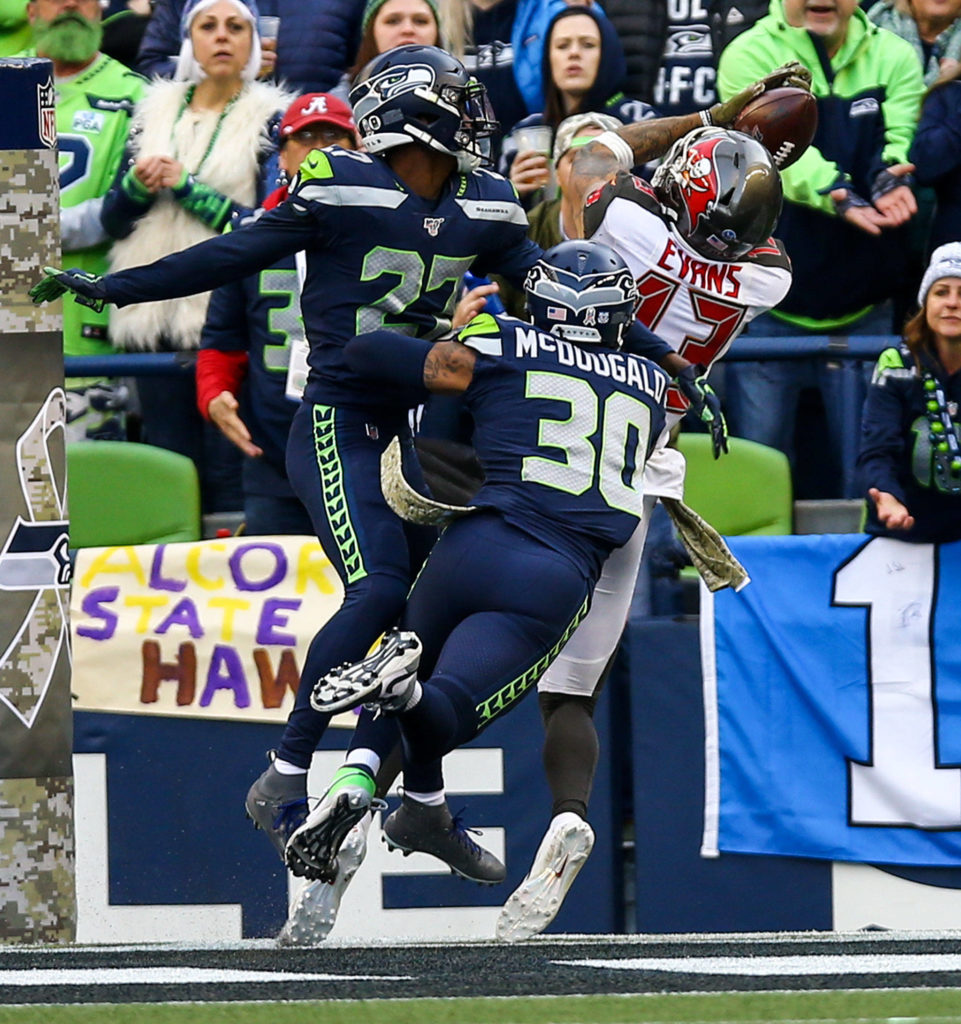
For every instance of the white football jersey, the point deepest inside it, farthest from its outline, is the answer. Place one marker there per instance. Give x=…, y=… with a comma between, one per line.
x=697, y=305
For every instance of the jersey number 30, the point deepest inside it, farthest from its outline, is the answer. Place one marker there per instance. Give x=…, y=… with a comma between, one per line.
x=625, y=433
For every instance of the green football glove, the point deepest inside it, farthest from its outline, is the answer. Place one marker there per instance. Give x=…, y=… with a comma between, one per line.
x=705, y=404
x=88, y=289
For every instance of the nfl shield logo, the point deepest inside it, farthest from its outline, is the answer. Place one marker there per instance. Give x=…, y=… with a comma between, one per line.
x=432, y=225
x=47, y=114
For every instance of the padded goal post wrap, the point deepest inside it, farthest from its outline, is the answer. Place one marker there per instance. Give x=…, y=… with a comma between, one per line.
x=36, y=777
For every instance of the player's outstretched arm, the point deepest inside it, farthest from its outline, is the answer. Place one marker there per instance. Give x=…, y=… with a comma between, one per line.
x=637, y=143
x=449, y=368
x=201, y=268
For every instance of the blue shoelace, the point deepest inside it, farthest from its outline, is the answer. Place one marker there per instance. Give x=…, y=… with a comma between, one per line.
x=290, y=816
x=459, y=831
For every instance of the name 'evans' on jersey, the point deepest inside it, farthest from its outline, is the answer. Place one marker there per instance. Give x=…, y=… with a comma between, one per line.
x=720, y=278
x=605, y=363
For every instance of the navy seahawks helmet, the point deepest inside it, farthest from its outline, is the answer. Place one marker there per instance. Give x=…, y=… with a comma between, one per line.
x=583, y=292
x=422, y=94
x=722, y=190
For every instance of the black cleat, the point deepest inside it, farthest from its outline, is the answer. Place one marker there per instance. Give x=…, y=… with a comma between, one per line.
x=312, y=849
x=418, y=828
x=278, y=804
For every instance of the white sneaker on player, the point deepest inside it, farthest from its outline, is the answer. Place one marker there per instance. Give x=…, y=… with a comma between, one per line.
x=314, y=911
x=386, y=678
x=534, y=904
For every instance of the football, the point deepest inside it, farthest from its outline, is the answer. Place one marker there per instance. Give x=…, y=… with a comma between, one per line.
x=783, y=120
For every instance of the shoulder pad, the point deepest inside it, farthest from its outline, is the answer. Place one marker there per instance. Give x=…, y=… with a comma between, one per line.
x=891, y=365
x=625, y=186
x=891, y=359
x=483, y=334
x=316, y=167
x=771, y=254
x=484, y=195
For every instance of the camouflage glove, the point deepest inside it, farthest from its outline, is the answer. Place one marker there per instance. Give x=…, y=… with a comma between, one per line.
x=850, y=201
x=705, y=404
x=886, y=182
x=88, y=289
x=792, y=74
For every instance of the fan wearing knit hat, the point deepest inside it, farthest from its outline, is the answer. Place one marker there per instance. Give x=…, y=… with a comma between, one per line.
x=910, y=458
x=200, y=153
x=189, y=69
x=389, y=23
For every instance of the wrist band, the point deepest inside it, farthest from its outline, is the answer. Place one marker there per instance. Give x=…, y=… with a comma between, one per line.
x=706, y=119
x=619, y=147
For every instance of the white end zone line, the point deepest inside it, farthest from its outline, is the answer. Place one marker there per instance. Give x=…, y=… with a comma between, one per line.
x=171, y=976
x=784, y=966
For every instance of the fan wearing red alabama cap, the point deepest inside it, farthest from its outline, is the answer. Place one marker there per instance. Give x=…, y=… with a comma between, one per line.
x=313, y=121
x=253, y=327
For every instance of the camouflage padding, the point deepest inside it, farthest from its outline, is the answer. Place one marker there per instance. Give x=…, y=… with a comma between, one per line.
x=508, y=695
x=29, y=237
x=38, y=900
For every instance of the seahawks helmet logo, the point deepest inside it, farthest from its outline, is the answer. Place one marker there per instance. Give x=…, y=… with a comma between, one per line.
x=395, y=81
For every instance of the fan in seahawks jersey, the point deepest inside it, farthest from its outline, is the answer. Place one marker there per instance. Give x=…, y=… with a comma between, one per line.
x=697, y=240
x=95, y=97
x=564, y=423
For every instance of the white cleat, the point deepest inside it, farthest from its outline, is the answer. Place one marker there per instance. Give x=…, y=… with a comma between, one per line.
x=534, y=904
x=315, y=908
x=387, y=677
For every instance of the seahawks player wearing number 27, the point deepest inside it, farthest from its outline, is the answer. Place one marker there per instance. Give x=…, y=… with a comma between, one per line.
x=387, y=235
x=564, y=424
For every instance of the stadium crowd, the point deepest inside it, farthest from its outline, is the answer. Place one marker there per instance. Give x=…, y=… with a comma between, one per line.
x=230, y=121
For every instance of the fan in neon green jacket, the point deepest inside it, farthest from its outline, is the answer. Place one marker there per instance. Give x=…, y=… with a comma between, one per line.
x=868, y=86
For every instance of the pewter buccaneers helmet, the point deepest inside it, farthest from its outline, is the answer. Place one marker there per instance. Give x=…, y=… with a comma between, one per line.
x=583, y=292
x=422, y=94
x=722, y=191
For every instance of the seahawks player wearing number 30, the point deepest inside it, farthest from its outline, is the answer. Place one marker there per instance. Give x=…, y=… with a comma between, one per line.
x=563, y=426
x=388, y=235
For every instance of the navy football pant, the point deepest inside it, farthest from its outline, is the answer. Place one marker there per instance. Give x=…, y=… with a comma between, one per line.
x=492, y=607
x=333, y=462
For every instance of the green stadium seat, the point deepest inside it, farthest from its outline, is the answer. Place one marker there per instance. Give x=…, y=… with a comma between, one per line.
x=744, y=493
x=122, y=493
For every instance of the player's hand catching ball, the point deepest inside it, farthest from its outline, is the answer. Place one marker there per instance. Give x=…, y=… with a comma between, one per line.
x=793, y=74
x=88, y=289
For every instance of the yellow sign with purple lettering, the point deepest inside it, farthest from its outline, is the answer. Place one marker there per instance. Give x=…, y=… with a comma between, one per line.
x=213, y=629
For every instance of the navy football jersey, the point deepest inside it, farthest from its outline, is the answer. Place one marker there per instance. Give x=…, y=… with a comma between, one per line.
x=260, y=315
x=563, y=432
x=378, y=256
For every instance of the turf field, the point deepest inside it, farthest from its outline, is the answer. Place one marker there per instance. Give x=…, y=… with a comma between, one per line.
x=861, y=978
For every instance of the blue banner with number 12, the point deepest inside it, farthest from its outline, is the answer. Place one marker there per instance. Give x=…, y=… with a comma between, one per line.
x=832, y=689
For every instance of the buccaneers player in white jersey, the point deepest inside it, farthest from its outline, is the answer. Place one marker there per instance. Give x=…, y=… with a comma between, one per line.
x=697, y=239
